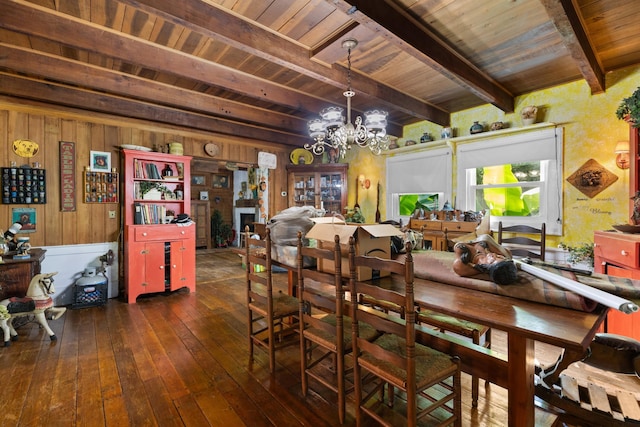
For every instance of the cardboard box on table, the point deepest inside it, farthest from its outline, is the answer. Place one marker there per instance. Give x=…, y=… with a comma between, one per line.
x=371, y=240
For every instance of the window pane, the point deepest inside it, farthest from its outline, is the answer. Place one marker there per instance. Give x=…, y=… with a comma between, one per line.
x=509, y=201
x=503, y=174
x=495, y=194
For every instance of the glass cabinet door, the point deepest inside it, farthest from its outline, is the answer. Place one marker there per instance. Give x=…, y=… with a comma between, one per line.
x=322, y=186
x=331, y=193
x=305, y=190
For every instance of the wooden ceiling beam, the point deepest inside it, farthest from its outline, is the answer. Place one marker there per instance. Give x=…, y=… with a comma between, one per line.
x=42, y=22
x=59, y=94
x=215, y=22
x=567, y=21
x=71, y=72
x=404, y=31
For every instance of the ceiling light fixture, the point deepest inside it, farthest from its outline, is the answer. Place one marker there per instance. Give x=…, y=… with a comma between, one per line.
x=331, y=131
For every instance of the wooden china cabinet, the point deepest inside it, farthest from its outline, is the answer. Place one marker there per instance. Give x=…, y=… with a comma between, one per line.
x=323, y=186
x=618, y=254
x=158, y=256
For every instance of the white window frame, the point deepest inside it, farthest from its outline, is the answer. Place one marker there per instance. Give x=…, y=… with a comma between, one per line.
x=544, y=145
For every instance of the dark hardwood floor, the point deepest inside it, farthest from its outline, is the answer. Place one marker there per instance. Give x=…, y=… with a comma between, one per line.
x=179, y=359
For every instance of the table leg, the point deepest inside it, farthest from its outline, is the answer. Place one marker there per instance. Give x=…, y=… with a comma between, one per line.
x=292, y=277
x=521, y=381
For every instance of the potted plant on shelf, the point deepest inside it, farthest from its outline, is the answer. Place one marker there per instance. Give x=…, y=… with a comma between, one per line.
x=154, y=191
x=629, y=109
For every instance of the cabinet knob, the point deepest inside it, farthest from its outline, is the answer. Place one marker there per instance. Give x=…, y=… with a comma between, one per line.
x=624, y=253
x=174, y=266
x=144, y=234
x=182, y=232
x=162, y=267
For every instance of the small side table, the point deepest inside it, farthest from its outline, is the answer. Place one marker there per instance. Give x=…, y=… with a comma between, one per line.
x=16, y=274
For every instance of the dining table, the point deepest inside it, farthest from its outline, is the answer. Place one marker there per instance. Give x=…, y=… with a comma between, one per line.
x=524, y=322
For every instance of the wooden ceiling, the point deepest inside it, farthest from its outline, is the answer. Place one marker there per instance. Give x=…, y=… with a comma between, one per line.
x=261, y=69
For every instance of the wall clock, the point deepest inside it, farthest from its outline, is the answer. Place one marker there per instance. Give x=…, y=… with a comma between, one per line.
x=211, y=149
x=25, y=148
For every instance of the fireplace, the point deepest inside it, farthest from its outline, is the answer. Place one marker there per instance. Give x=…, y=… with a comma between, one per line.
x=243, y=217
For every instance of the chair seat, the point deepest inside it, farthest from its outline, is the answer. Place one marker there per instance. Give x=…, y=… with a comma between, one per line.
x=453, y=324
x=283, y=305
x=430, y=364
x=328, y=339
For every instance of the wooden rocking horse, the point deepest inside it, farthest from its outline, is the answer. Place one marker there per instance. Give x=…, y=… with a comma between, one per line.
x=37, y=303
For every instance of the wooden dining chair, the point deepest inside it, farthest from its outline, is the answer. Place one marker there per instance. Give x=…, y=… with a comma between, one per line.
x=479, y=334
x=271, y=315
x=429, y=379
x=325, y=330
x=532, y=244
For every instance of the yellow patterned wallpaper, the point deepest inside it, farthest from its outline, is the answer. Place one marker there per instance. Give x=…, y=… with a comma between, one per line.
x=591, y=131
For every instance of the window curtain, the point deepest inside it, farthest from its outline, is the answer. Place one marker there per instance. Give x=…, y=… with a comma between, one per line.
x=428, y=171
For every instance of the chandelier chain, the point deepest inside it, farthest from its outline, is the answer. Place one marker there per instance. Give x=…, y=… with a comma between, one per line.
x=349, y=69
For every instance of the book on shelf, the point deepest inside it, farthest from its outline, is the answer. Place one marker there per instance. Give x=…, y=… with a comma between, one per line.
x=153, y=214
x=137, y=217
x=144, y=169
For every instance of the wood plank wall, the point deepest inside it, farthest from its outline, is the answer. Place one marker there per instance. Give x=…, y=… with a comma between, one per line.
x=48, y=125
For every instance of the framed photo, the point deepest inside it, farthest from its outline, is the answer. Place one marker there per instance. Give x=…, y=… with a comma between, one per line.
x=198, y=180
x=100, y=161
x=204, y=195
x=26, y=217
x=220, y=181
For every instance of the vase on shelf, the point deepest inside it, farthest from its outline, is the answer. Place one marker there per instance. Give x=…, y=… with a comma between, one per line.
x=529, y=115
x=497, y=126
x=426, y=137
x=476, y=127
x=447, y=132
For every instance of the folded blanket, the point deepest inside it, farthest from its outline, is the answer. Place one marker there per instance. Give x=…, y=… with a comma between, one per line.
x=438, y=266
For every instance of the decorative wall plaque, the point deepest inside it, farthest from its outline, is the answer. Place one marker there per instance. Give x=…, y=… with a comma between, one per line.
x=67, y=176
x=592, y=178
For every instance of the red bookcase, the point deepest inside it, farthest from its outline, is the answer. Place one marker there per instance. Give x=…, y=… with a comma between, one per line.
x=158, y=256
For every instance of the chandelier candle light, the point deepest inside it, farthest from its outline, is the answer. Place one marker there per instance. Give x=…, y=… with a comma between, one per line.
x=331, y=132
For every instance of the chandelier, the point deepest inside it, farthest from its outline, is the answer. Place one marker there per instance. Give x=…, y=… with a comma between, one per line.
x=331, y=131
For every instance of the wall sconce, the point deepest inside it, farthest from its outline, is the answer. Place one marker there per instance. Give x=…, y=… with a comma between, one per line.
x=365, y=183
x=622, y=154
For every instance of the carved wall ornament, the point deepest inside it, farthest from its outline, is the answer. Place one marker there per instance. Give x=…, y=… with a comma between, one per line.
x=592, y=178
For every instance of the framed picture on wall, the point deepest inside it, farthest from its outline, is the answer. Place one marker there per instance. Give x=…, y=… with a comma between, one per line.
x=100, y=161
x=26, y=217
x=198, y=179
x=220, y=181
x=204, y=195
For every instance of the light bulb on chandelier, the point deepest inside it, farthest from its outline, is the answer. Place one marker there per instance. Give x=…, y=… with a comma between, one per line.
x=331, y=131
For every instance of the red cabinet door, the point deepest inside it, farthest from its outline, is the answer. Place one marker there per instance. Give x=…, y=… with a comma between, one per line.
x=146, y=272
x=182, y=265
